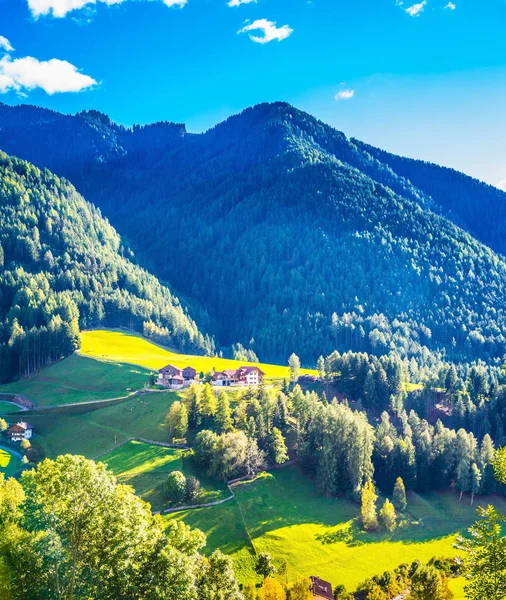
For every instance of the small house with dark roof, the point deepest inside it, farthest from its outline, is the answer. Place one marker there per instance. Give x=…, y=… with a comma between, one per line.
x=20, y=431
x=322, y=590
x=171, y=377
x=221, y=378
x=189, y=374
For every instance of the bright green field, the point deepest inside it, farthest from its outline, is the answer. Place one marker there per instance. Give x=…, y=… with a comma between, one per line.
x=79, y=379
x=122, y=347
x=8, y=462
x=146, y=466
x=7, y=408
x=282, y=514
x=457, y=587
x=97, y=431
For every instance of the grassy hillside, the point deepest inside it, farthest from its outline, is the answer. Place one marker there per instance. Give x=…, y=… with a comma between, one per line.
x=8, y=462
x=282, y=514
x=7, y=408
x=79, y=379
x=99, y=430
x=110, y=364
x=123, y=347
x=146, y=466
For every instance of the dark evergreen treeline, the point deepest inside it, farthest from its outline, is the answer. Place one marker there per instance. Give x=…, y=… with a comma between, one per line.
x=288, y=235
x=63, y=267
x=340, y=446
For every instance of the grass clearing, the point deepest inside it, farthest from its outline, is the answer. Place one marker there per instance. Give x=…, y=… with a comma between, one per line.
x=9, y=462
x=6, y=408
x=97, y=431
x=457, y=587
x=125, y=347
x=146, y=466
x=225, y=529
x=79, y=379
x=283, y=514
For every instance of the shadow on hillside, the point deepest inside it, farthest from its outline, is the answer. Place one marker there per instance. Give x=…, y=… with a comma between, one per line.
x=287, y=498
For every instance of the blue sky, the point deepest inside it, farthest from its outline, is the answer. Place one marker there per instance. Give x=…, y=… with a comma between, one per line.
x=422, y=79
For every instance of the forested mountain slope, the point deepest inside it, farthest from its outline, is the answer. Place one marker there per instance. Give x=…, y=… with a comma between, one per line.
x=295, y=238
x=63, y=267
x=472, y=204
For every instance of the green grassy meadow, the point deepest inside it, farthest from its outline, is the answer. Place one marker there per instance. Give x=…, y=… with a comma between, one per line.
x=79, y=379
x=457, y=587
x=282, y=513
x=6, y=408
x=146, y=466
x=94, y=432
x=9, y=462
x=279, y=512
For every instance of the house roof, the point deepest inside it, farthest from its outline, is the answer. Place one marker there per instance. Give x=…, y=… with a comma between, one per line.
x=20, y=426
x=322, y=588
x=16, y=429
x=231, y=372
x=246, y=370
x=188, y=368
x=166, y=368
x=219, y=375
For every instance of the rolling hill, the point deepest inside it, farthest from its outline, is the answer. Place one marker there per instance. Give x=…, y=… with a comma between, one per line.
x=64, y=268
x=289, y=236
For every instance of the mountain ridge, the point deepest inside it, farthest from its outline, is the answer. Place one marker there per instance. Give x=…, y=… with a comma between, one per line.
x=293, y=237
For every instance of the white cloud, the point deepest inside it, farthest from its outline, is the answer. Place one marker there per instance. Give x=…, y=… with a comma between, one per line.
x=239, y=2
x=5, y=44
x=60, y=8
x=451, y=6
x=53, y=76
x=344, y=95
x=502, y=185
x=269, y=30
x=417, y=9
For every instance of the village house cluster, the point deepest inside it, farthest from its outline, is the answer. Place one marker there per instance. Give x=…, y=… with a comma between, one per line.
x=175, y=378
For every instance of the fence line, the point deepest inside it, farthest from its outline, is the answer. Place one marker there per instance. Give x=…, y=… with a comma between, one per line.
x=19, y=400
x=229, y=483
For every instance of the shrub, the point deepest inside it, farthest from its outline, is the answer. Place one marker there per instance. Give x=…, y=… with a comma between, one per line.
x=175, y=486
x=192, y=488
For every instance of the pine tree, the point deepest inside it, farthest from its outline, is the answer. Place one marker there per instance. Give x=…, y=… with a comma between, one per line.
x=399, y=495
x=208, y=402
x=192, y=400
x=294, y=364
x=223, y=415
x=320, y=366
x=277, y=448
x=368, y=510
x=475, y=481
x=485, y=567
x=387, y=515
x=176, y=421
x=463, y=478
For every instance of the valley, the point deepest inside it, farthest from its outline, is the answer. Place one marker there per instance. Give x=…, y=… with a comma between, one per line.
x=368, y=304
x=95, y=401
